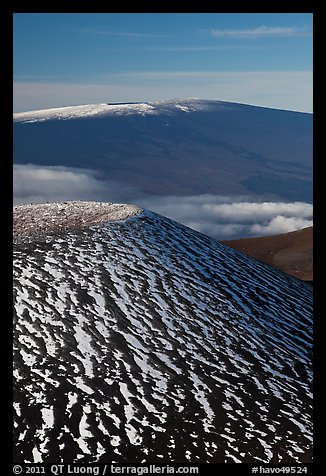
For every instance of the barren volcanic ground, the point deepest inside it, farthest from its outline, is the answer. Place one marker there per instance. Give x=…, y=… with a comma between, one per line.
x=137, y=339
x=290, y=252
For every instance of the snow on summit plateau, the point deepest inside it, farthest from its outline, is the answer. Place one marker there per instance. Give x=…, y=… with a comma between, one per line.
x=46, y=217
x=88, y=110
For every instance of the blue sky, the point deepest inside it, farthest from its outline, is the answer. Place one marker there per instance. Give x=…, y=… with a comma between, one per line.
x=69, y=59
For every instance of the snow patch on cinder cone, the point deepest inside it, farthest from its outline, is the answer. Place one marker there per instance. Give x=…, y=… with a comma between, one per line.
x=51, y=217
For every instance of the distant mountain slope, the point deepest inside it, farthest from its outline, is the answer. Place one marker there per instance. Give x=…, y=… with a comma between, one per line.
x=137, y=339
x=180, y=147
x=290, y=252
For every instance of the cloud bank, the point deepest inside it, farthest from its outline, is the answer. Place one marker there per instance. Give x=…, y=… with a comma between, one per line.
x=235, y=216
x=40, y=184
x=222, y=217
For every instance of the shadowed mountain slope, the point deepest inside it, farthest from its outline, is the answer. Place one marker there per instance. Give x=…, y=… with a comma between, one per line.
x=177, y=147
x=137, y=339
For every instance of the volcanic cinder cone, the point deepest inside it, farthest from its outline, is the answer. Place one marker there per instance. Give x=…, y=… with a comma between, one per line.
x=137, y=339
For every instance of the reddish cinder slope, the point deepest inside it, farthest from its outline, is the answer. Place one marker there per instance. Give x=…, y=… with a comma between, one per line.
x=290, y=252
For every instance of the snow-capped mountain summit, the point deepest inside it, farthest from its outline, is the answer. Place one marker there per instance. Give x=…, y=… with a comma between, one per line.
x=140, y=340
x=109, y=109
x=88, y=110
x=177, y=147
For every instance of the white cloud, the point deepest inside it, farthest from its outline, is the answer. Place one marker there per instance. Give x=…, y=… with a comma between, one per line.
x=122, y=34
x=280, y=224
x=251, y=211
x=39, y=184
x=261, y=31
x=222, y=217
x=235, y=216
